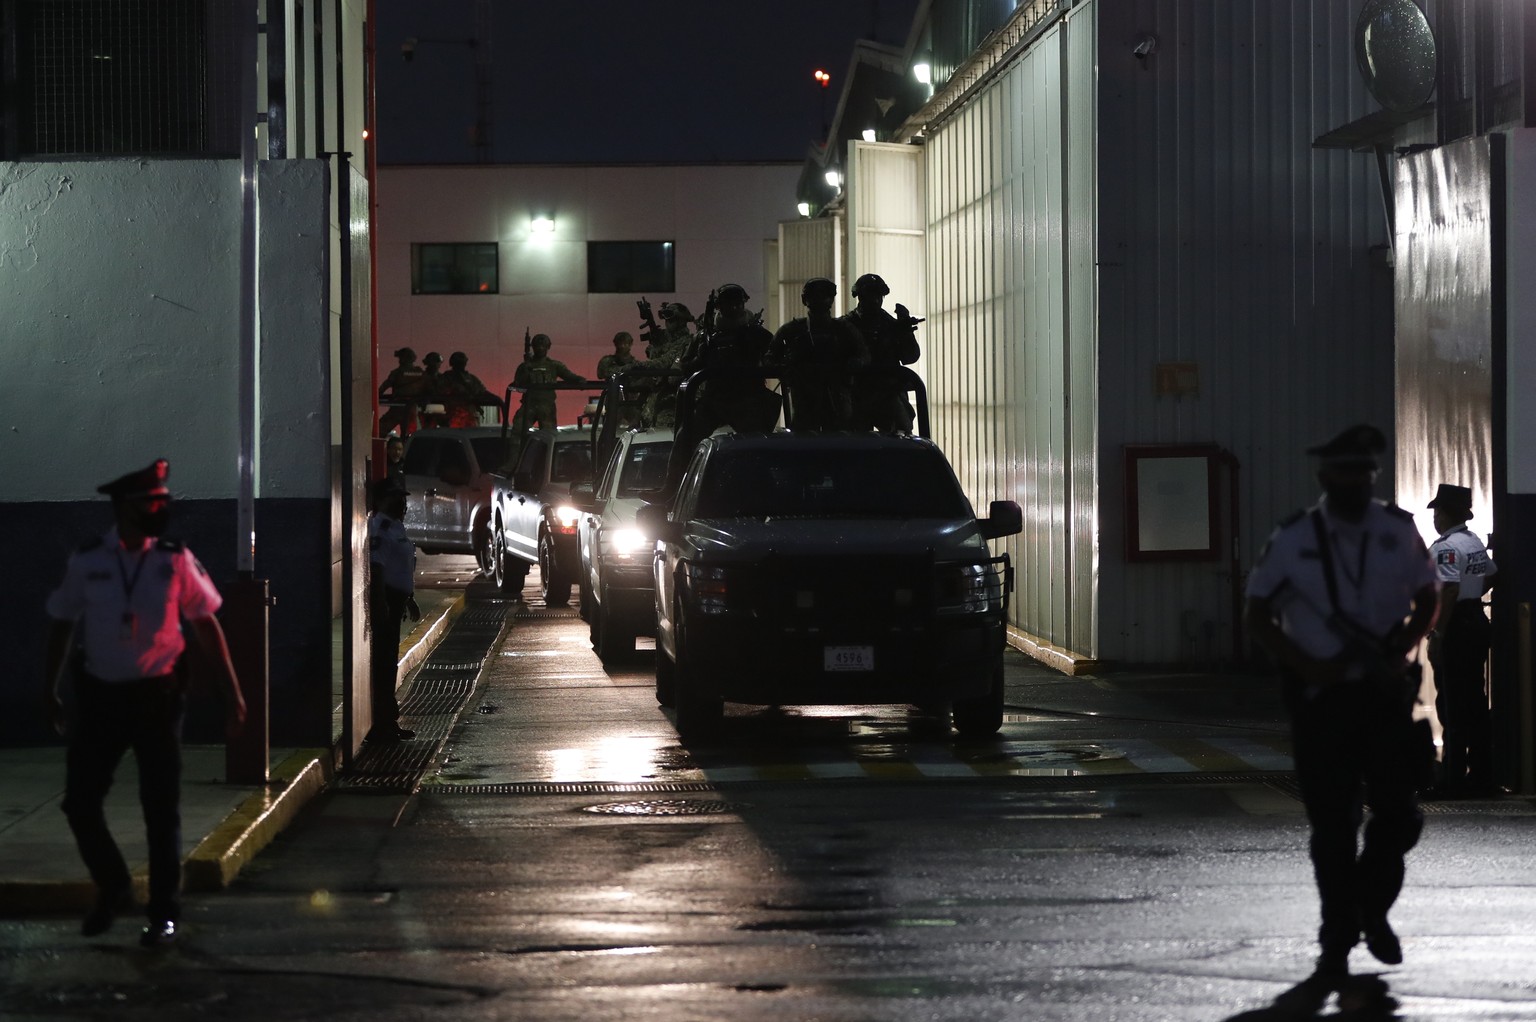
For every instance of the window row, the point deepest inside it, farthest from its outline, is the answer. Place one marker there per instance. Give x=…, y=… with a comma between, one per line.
x=613, y=267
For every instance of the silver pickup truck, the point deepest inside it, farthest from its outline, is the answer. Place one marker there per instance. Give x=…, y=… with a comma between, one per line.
x=449, y=474
x=532, y=518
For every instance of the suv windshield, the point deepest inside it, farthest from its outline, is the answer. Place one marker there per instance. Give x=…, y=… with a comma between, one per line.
x=834, y=483
x=645, y=469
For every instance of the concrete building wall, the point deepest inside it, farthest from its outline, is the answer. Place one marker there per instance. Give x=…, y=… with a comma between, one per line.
x=121, y=286
x=717, y=216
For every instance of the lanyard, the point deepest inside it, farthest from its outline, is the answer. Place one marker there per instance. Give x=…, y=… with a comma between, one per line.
x=129, y=584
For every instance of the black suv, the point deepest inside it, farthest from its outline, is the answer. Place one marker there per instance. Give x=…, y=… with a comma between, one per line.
x=803, y=568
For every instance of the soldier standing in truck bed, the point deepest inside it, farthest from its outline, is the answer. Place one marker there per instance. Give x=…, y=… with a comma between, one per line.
x=818, y=353
x=879, y=402
x=535, y=375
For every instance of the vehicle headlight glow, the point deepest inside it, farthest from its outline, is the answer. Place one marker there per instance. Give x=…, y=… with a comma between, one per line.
x=566, y=518
x=626, y=542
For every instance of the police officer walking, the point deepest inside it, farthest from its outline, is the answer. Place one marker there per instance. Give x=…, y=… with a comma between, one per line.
x=1458, y=648
x=391, y=595
x=121, y=609
x=819, y=353
x=881, y=403
x=1340, y=596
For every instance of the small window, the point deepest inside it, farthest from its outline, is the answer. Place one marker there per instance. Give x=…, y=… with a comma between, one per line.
x=631, y=267
x=464, y=269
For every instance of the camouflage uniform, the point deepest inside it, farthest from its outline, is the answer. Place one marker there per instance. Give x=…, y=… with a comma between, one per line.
x=818, y=353
x=538, y=406
x=890, y=341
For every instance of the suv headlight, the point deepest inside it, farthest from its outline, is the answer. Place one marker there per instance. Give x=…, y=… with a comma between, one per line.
x=626, y=542
x=708, y=585
x=969, y=589
x=566, y=518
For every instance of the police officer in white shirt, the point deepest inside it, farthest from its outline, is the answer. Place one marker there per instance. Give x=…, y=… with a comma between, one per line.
x=391, y=589
x=121, y=607
x=1458, y=648
x=1340, y=596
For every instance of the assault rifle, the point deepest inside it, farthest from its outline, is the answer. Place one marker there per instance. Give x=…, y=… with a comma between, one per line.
x=652, y=335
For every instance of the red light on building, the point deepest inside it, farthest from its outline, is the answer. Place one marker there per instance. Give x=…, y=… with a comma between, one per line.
x=823, y=78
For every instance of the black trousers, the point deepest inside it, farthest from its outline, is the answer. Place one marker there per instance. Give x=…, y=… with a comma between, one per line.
x=1461, y=697
x=388, y=609
x=1352, y=747
x=111, y=718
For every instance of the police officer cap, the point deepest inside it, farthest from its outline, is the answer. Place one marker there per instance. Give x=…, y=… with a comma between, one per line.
x=1358, y=446
x=146, y=482
x=1452, y=498
x=871, y=282
x=677, y=311
x=815, y=284
x=405, y=353
x=731, y=292
x=432, y=359
x=458, y=360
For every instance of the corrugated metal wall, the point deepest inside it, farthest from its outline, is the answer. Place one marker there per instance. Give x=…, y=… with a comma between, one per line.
x=886, y=225
x=1010, y=370
x=1227, y=242
x=1445, y=327
x=807, y=248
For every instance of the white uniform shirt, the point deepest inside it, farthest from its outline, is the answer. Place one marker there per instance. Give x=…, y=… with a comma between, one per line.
x=1462, y=560
x=392, y=553
x=1379, y=564
x=130, y=605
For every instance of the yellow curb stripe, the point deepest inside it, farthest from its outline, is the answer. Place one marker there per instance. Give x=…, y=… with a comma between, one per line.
x=220, y=856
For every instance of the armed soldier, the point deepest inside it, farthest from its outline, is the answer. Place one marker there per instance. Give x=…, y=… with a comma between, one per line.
x=1340, y=596
x=818, y=353
x=732, y=341
x=429, y=394
x=665, y=352
x=462, y=393
x=535, y=375
x=891, y=341
x=621, y=358
x=402, y=390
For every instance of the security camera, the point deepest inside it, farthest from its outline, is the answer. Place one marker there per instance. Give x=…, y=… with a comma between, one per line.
x=1146, y=47
x=408, y=49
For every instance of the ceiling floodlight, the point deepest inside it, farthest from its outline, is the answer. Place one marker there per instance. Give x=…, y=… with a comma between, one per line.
x=869, y=134
x=804, y=209
x=542, y=225
x=923, y=73
x=834, y=179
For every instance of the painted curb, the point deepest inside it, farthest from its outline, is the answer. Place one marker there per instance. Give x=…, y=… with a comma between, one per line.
x=220, y=856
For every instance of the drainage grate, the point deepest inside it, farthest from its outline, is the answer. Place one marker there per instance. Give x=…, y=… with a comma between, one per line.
x=1480, y=807
x=571, y=788
x=525, y=612
x=667, y=807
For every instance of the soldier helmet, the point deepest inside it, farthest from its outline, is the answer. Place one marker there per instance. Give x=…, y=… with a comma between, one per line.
x=1357, y=447
x=677, y=311
x=458, y=360
x=432, y=359
x=816, y=284
x=541, y=341
x=731, y=292
x=146, y=482
x=405, y=353
x=871, y=283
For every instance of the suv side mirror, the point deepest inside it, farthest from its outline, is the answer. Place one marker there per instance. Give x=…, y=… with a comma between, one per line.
x=651, y=519
x=1004, y=518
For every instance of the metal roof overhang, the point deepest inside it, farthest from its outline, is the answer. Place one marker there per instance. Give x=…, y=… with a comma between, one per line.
x=1365, y=134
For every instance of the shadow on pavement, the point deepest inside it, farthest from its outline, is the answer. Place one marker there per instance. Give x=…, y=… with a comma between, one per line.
x=1360, y=999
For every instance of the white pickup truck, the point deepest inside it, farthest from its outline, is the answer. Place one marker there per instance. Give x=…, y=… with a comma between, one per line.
x=532, y=519
x=449, y=474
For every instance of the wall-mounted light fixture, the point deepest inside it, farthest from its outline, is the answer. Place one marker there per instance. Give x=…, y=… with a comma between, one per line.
x=542, y=225
x=804, y=209
x=923, y=73
x=869, y=134
x=834, y=178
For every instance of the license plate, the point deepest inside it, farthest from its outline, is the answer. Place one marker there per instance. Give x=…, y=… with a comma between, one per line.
x=848, y=658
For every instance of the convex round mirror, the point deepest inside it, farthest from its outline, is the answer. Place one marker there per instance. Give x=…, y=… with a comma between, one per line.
x=1395, y=51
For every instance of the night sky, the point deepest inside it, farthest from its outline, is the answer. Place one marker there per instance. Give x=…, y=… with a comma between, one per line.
x=621, y=81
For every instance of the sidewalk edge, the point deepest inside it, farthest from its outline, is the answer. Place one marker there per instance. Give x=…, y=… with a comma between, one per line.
x=416, y=648
x=220, y=856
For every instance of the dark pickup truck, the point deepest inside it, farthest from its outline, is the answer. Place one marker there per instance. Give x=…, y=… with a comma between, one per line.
x=828, y=568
